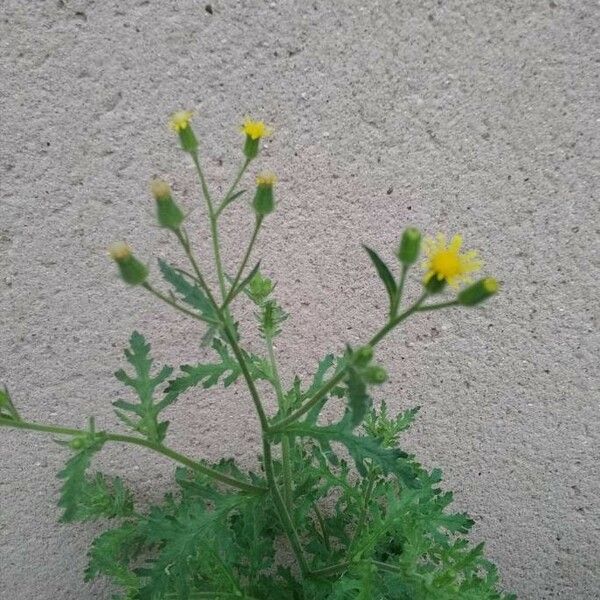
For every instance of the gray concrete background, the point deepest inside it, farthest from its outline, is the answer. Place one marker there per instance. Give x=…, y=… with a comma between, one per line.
x=477, y=117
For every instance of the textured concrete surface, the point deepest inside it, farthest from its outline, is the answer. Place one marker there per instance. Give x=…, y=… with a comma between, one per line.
x=477, y=117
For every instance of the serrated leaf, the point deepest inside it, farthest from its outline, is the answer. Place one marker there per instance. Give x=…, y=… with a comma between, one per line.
x=384, y=274
x=189, y=291
x=145, y=386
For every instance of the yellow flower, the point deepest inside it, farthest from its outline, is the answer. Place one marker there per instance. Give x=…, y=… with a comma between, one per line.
x=266, y=179
x=180, y=120
x=446, y=262
x=119, y=251
x=255, y=129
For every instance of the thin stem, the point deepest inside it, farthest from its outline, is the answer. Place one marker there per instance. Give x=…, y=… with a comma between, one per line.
x=127, y=439
x=440, y=305
x=213, y=226
x=329, y=385
x=259, y=220
x=233, y=186
x=393, y=323
x=285, y=442
x=177, y=306
x=398, y=298
x=238, y=353
x=284, y=515
x=321, y=521
x=385, y=566
x=331, y=569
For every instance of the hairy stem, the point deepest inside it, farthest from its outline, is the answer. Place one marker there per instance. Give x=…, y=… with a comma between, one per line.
x=285, y=442
x=259, y=220
x=284, y=515
x=127, y=439
x=398, y=299
x=232, y=188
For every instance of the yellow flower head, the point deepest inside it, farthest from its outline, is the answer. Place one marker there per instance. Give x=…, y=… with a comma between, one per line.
x=180, y=120
x=255, y=129
x=266, y=179
x=446, y=262
x=119, y=251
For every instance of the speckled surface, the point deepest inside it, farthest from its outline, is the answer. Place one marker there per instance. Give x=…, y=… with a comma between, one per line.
x=477, y=117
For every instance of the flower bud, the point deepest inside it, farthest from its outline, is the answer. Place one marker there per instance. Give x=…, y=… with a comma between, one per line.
x=169, y=215
x=132, y=271
x=260, y=287
x=375, y=375
x=180, y=124
x=363, y=355
x=263, y=199
x=478, y=292
x=254, y=131
x=410, y=245
x=77, y=443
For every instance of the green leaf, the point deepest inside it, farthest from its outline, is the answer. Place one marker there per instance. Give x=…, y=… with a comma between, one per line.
x=86, y=498
x=145, y=385
x=190, y=292
x=7, y=408
x=361, y=448
x=380, y=426
x=111, y=554
x=384, y=274
x=270, y=319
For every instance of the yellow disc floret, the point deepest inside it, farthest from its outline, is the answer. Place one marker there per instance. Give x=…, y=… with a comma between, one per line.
x=119, y=251
x=160, y=189
x=180, y=120
x=491, y=285
x=446, y=262
x=255, y=129
x=266, y=179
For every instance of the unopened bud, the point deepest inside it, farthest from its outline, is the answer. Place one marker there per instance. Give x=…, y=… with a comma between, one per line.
x=76, y=443
x=375, y=374
x=363, y=355
x=478, y=292
x=169, y=215
x=260, y=287
x=263, y=199
x=180, y=124
x=410, y=245
x=132, y=271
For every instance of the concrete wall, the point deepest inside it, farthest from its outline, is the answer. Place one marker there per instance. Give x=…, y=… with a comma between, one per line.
x=477, y=117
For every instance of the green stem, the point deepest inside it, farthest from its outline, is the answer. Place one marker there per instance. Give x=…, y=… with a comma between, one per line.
x=233, y=186
x=321, y=521
x=177, y=306
x=438, y=306
x=238, y=353
x=284, y=515
x=259, y=220
x=330, y=570
x=329, y=385
x=285, y=442
x=396, y=304
x=127, y=439
x=213, y=226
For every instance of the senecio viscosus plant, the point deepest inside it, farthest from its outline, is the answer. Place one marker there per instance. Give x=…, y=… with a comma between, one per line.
x=333, y=510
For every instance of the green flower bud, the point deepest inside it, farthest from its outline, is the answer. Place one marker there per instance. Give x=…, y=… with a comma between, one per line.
x=478, y=292
x=375, y=374
x=180, y=124
x=132, y=271
x=169, y=215
x=77, y=443
x=363, y=356
x=263, y=200
x=260, y=287
x=410, y=245
x=435, y=285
